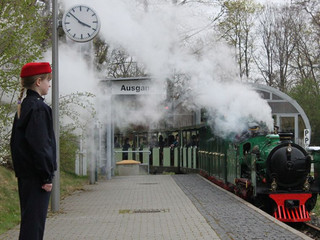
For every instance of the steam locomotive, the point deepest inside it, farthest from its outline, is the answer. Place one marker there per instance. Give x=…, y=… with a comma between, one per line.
x=268, y=170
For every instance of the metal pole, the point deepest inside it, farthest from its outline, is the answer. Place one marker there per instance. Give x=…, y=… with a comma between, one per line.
x=92, y=157
x=55, y=195
x=113, y=163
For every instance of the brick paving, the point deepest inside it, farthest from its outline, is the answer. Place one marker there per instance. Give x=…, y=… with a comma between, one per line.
x=230, y=216
x=131, y=207
x=159, y=207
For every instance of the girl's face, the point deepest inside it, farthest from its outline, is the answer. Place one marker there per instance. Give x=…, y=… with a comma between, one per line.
x=44, y=86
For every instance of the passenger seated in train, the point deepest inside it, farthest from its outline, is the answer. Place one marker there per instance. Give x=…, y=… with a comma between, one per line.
x=125, y=147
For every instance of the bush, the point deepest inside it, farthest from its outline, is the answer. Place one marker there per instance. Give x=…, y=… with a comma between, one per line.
x=68, y=150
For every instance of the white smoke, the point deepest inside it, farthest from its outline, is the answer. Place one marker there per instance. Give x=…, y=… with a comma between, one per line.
x=168, y=38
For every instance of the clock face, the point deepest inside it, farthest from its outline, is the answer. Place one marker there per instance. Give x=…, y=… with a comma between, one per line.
x=81, y=23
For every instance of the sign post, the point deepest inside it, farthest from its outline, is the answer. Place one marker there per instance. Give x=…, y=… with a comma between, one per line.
x=55, y=196
x=77, y=26
x=120, y=86
x=306, y=137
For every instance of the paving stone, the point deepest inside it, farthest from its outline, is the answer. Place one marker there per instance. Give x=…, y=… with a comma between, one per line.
x=131, y=207
x=154, y=207
x=230, y=216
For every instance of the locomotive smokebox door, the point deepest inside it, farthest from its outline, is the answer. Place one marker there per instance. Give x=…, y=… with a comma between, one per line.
x=289, y=164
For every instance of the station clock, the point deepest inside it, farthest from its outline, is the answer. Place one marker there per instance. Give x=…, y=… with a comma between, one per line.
x=81, y=23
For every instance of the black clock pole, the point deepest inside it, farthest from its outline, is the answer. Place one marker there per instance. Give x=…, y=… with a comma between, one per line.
x=55, y=195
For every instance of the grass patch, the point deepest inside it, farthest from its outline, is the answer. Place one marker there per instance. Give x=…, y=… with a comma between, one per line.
x=316, y=209
x=70, y=182
x=9, y=199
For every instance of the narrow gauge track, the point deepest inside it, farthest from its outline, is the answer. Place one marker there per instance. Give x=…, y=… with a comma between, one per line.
x=310, y=230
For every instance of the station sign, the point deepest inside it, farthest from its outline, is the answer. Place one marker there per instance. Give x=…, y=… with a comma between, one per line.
x=132, y=87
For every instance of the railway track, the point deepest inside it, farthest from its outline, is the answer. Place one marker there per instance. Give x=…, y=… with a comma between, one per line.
x=311, y=231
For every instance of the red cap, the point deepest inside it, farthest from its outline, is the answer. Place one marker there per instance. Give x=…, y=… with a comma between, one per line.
x=35, y=68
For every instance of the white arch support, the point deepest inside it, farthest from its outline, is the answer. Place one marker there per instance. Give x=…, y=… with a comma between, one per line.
x=276, y=97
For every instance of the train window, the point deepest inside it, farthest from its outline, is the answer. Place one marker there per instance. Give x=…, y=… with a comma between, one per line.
x=287, y=124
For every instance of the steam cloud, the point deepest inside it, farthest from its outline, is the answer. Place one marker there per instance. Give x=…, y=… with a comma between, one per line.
x=166, y=39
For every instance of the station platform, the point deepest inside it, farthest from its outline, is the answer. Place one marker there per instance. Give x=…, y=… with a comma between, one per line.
x=159, y=207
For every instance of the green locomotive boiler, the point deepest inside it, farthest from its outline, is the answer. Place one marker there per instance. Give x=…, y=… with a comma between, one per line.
x=268, y=170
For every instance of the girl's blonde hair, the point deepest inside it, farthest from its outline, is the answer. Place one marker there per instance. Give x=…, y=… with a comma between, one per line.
x=28, y=83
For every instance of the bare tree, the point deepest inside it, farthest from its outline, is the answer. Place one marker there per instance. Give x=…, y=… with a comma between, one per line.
x=285, y=43
x=117, y=62
x=279, y=41
x=307, y=54
x=124, y=65
x=312, y=7
x=237, y=29
x=265, y=57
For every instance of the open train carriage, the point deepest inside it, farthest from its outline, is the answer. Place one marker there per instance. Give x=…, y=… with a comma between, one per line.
x=212, y=155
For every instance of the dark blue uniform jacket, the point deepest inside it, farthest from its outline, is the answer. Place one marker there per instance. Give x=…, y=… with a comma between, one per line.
x=33, y=145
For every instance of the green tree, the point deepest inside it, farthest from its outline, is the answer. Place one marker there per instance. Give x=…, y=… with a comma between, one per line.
x=68, y=150
x=23, y=33
x=23, y=38
x=237, y=29
x=306, y=93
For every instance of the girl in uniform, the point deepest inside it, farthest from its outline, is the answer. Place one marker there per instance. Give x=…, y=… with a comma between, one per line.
x=33, y=149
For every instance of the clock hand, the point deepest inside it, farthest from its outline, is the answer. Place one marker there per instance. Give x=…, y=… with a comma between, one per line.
x=84, y=24
x=75, y=17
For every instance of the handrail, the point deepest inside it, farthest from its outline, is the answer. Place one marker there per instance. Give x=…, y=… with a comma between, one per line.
x=142, y=151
